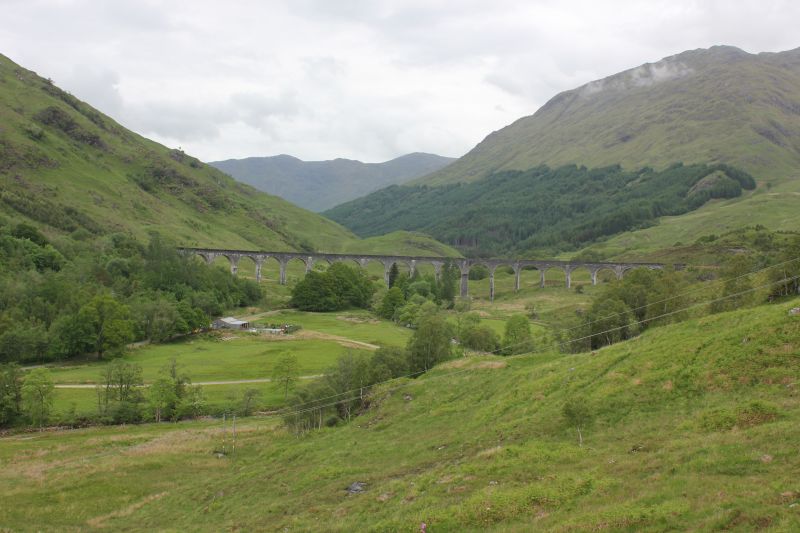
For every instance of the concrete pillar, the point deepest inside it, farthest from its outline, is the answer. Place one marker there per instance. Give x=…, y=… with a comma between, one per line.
x=363, y=262
x=412, y=266
x=464, y=284
x=309, y=264
x=568, y=272
x=491, y=285
x=594, y=276
x=283, y=271
x=437, y=271
x=541, y=274
x=517, y=272
x=387, y=269
x=234, y=259
x=259, y=262
x=209, y=258
x=619, y=271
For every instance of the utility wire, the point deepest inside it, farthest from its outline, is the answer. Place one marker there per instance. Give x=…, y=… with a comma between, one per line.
x=294, y=412
x=679, y=295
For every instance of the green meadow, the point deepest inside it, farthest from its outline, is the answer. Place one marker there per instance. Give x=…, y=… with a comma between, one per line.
x=694, y=426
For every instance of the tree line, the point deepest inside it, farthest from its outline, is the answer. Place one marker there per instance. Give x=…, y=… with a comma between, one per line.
x=68, y=296
x=541, y=209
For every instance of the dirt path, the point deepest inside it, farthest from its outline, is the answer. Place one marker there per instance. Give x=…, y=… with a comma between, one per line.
x=344, y=341
x=228, y=382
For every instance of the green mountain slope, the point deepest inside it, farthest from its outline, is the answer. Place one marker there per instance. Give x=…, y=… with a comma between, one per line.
x=695, y=428
x=319, y=185
x=542, y=210
x=702, y=106
x=67, y=167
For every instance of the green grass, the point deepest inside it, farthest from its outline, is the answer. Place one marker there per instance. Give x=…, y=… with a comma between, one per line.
x=203, y=359
x=358, y=325
x=218, y=398
x=696, y=428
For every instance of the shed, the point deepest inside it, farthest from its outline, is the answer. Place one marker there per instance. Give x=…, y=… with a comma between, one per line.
x=230, y=323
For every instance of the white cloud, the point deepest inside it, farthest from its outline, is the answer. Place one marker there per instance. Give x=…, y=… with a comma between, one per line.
x=365, y=79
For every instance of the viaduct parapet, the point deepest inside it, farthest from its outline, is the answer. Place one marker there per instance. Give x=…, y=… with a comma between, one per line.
x=463, y=264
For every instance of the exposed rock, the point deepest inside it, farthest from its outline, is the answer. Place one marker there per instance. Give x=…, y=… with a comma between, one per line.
x=356, y=487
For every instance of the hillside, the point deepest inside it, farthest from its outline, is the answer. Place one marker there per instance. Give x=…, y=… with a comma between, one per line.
x=541, y=211
x=319, y=185
x=698, y=107
x=695, y=428
x=68, y=168
x=701, y=106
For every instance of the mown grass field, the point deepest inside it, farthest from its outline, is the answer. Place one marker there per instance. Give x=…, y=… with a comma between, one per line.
x=695, y=428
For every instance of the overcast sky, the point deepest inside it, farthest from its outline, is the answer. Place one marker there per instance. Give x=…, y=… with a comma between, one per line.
x=362, y=79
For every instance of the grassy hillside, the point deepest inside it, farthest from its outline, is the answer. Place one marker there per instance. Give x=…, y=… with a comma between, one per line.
x=67, y=167
x=700, y=106
x=695, y=427
x=320, y=185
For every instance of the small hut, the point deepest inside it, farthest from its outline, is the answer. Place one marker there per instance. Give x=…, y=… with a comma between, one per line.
x=230, y=323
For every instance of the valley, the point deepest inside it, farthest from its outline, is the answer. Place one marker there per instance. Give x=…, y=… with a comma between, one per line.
x=588, y=322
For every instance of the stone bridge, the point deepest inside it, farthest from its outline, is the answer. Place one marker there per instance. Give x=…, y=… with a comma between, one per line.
x=463, y=264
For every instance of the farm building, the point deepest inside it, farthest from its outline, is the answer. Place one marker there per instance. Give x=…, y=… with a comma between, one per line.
x=230, y=323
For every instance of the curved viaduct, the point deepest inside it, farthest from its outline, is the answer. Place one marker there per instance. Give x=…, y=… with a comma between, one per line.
x=463, y=264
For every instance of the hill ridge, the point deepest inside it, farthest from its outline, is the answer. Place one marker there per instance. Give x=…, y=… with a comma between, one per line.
x=674, y=100
x=319, y=185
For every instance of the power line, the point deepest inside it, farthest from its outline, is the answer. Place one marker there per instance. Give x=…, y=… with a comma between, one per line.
x=679, y=295
x=294, y=412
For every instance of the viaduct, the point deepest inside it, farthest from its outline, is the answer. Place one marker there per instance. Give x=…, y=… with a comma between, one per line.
x=463, y=264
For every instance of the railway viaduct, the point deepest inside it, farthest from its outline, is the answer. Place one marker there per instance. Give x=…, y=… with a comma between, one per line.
x=463, y=264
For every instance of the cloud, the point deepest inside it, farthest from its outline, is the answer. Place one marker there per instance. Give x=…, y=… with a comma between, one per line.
x=363, y=79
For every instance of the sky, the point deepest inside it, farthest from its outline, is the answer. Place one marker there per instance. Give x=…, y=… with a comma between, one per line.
x=360, y=79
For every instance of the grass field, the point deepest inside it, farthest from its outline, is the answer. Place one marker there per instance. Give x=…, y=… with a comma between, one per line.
x=695, y=428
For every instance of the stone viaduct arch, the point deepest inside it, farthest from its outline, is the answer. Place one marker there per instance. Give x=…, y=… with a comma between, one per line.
x=463, y=264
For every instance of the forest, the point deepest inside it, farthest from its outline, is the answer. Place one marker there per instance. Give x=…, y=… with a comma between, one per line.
x=541, y=210
x=79, y=294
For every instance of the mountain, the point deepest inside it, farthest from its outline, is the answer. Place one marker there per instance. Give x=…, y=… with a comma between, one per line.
x=68, y=168
x=702, y=106
x=319, y=185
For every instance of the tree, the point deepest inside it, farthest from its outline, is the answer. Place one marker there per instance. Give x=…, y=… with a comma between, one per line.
x=194, y=401
x=10, y=393
x=393, y=273
x=161, y=397
x=109, y=324
x=352, y=284
x=481, y=338
x=37, y=395
x=388, y=362
x=392, y=301
x=286, y=372
x=578, y=415
x=175, y=372
x=248, y=399
x=316, y=292
x=737, y=287
x=786, y=277
x=449, y=277
x=120, y=382
x=430, y=344
x=70, y=336
x=608, y=321
x=517, y=338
